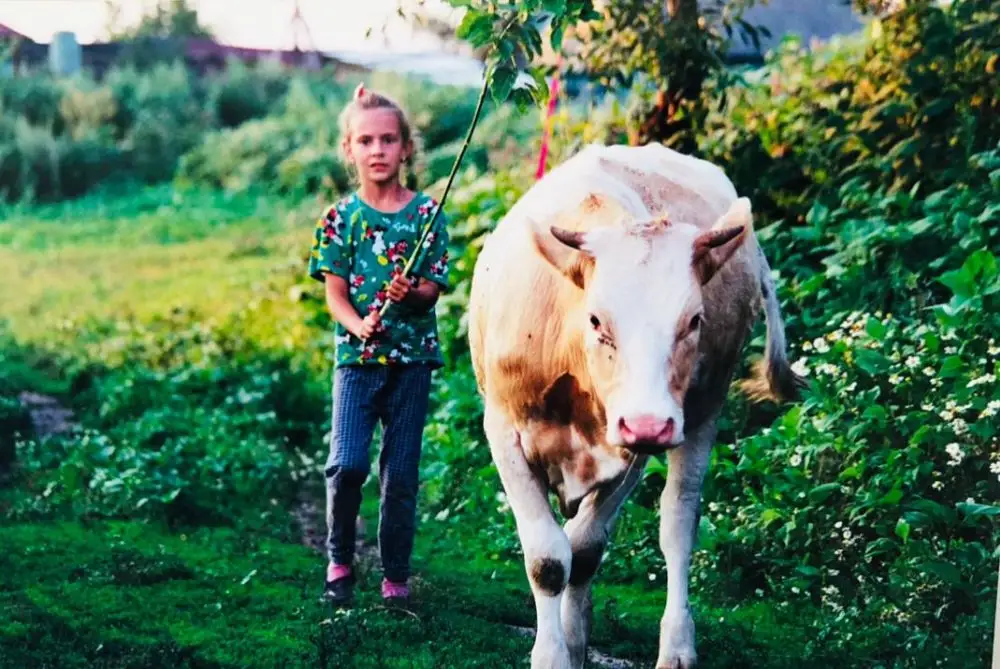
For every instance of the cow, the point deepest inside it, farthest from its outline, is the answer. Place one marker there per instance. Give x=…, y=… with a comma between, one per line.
x=607, y=313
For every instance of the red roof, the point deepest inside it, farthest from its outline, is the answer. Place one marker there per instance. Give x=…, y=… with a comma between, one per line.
x=10, y=32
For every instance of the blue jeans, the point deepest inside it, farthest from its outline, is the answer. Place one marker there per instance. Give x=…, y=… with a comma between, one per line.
x=397, y=396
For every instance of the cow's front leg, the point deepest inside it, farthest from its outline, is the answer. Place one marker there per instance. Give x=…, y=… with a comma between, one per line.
x=588, y=533
x=547, y=555
x=679, y=512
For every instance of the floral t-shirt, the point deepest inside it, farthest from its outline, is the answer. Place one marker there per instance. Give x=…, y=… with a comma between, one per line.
x=368, y=247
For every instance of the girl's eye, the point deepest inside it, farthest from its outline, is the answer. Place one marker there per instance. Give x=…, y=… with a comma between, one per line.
x=595, y=322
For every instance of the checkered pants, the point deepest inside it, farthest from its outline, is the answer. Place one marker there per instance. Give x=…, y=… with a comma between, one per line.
x=396, y=396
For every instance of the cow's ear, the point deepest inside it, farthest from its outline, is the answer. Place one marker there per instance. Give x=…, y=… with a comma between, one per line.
x=714, y=247
x=567, y=251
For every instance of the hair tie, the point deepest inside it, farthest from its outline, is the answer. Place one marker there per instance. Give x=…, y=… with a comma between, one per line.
x=359, y=91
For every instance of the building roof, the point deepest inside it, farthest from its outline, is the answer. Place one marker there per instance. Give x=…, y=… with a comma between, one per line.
x=7, y=31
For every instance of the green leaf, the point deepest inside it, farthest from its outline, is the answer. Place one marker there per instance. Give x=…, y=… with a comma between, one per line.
x=879, y=547
x=892, y=497
x=945, y=571
x=557, y=7
x=875, y=412
x=821, y=492
x=471, y=22
x=769, y=516
x=977, y=510
x=922, y=226
x=556, y=36
x=876, y=329
x=501, y=82
x=951, y=366
x=902, y=530
x=871, y=361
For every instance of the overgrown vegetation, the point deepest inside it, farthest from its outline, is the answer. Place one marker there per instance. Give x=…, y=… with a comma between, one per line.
x=860, y=525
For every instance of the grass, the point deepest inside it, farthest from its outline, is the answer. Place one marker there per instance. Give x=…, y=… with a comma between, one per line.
x=88, y=259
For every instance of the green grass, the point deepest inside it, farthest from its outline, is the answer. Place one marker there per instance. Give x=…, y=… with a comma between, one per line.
x=142, y=258
x=129, y=594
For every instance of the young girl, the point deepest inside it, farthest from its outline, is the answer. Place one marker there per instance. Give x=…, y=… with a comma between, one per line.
x=383, y=366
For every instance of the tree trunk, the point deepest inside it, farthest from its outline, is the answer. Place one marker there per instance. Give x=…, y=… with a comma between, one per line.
x=688, y=75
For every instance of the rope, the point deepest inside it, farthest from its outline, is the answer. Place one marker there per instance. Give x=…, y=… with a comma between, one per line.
x=553, y=94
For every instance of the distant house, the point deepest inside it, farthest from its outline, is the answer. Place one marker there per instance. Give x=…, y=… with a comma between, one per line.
x=811, y=20
x=202, y=55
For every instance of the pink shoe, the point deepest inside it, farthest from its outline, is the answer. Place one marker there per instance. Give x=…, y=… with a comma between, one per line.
x=339, y=587
x=392, y=591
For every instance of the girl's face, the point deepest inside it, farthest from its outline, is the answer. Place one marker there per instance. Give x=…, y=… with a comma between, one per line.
x=376, y=145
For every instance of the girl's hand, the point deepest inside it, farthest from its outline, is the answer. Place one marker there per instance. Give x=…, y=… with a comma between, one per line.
x=399, y=288
x=367, y=327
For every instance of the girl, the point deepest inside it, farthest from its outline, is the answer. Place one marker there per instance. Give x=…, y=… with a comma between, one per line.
x=383, y=367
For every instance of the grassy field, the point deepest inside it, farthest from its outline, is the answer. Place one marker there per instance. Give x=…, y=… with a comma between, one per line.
x=151, y=538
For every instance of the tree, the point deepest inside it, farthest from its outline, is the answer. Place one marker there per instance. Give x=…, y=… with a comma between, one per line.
x=171, y=19
x=159, y=35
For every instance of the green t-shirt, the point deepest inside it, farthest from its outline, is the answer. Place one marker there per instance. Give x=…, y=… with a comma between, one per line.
x=368, y=247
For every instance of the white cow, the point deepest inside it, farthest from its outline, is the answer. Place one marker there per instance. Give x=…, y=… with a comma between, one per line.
x=607, y=316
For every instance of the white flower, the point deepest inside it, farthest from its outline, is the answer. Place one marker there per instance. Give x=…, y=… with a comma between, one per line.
x=956, y=453
x=959, y=426
x=795, y=460
x=847, y=534
x=895, y=379
x=800, y=367
x=652, y=577
x=912, y=361
x=827, y=368
x=928, y=371
x=937, y=485
x=982, y=380
x=820, y=345
x=838, y=524
x=950, y=350
x=995, y=467
x=947, y=415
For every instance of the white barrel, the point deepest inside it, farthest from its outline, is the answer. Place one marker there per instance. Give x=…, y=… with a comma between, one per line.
x=65, y=54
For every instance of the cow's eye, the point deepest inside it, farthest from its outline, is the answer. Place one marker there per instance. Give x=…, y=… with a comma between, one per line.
x=595, y=322
x=695, y=323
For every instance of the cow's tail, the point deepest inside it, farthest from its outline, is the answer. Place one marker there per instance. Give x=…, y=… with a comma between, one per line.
x=773, y=377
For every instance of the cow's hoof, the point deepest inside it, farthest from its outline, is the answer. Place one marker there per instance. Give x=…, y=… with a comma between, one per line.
x=677, y=643
x=550, y=654
x=679, y=662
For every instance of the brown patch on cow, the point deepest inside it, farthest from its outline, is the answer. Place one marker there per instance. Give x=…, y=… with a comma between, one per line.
x=586, y=467
x=586, y=560
x=681, y=368
x=565, y=402
x=549, y=575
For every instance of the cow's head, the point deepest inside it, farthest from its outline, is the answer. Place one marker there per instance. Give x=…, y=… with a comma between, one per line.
x=642, y=315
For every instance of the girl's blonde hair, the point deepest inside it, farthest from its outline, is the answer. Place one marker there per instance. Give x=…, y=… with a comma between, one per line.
x=364, y=100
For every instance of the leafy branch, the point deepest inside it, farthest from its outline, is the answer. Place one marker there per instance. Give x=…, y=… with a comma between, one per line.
x=510, y=34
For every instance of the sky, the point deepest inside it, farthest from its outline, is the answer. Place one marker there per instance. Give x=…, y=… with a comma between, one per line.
x=335, y=25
